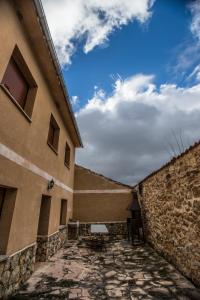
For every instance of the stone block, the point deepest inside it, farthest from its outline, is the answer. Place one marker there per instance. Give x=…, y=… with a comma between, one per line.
x=110, y=274
x=1, y=268
x=17, y=269
x=196, y=206
x=196, y=191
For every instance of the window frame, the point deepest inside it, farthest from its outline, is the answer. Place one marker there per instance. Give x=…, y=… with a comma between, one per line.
x=55, y=144
x=67, y=151
x=29, y=101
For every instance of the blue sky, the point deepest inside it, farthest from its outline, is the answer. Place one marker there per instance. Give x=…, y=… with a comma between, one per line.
x=132, y=69
x=136, y=48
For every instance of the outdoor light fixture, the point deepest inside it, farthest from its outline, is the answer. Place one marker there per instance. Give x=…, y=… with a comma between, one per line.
x=50, y=184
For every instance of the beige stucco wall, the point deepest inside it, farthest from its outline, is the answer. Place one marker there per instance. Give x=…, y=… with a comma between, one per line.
x=97, y=199
x=29, y=140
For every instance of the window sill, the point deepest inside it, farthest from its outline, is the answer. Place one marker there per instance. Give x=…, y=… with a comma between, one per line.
x=52, y=148
x=15, y=102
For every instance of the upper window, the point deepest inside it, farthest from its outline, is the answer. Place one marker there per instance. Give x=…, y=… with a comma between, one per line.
x=16, y=83
x=67, y=155
x=53, y=136
x=19, y=83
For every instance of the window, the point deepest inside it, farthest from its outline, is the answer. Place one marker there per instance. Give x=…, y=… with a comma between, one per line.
x=16, y=83
x=43, y=225
x=2, y=199
x=19, y=84
x=7, y=205
x=63, y=212
x=53, y=136
x=67, y=155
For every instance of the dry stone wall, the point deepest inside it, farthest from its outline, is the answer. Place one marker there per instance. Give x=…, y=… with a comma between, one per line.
x=49, y=245
x=15, y=270
x=170, y=202
x=116, y=230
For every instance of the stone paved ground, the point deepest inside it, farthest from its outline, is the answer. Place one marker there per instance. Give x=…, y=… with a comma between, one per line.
x=119, y=272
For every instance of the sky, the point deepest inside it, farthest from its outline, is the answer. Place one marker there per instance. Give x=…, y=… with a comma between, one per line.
x=132, y=70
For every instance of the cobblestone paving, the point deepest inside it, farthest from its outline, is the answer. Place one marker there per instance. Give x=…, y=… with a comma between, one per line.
x=118, y=272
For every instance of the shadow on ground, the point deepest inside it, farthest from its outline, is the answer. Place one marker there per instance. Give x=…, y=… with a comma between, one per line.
x=118, y=272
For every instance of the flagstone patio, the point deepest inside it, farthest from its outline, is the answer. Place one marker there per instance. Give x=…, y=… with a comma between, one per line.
x=120, y=271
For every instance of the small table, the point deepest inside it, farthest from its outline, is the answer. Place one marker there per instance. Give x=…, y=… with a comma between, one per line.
x=73, y=230
x=98, y=230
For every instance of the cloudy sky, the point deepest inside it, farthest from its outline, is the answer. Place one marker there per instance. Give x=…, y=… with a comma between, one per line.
x=132, y=68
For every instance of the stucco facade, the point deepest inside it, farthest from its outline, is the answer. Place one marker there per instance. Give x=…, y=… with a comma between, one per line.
x=99, y=199
x=27, y=162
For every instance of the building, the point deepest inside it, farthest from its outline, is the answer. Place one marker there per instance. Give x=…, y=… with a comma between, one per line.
x=100, y=199
x=38, y=137
x=40, y=186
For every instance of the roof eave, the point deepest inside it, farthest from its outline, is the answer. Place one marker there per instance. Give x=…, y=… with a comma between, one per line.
x=44, y=24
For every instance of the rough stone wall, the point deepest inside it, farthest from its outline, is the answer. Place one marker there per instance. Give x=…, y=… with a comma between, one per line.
x=15, y=270
x=117, y=230
x=49, y=245
x=170, y=202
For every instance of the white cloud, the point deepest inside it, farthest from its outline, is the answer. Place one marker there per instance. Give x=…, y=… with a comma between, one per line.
x=195, y=74
x=195, y=24
x=187, y=54
x=74, y=100
x=91, y=21
x=133, y=131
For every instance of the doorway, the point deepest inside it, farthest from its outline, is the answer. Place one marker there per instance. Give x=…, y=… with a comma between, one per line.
x=45, y=208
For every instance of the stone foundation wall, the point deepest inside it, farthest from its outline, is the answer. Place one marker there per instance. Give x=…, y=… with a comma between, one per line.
x=15, y=270
x=49, y=245
x=170, y=202
x=117, y=230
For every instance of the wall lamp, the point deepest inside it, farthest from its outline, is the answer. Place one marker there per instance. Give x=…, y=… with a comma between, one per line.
x=50, y=184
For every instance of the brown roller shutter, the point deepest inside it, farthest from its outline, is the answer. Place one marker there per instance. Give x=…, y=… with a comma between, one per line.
x=67, y=155
x=16, y=83
x=51, y=137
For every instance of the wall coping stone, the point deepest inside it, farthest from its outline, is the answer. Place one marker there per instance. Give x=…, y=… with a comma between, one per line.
x=169, y=163
x=105, y=222
x=20, y=250
x=47, y=236
x=3, y=257
x=63, y=226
